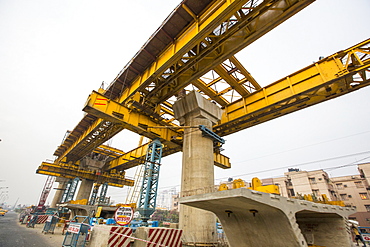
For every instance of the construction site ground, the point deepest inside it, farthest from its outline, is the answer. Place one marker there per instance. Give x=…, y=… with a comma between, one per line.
x=55, y=239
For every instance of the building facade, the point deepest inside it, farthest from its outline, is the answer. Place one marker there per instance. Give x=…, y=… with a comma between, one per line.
x=353, y=190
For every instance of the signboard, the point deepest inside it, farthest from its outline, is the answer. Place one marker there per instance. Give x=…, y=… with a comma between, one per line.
x=365, y=236
x=98, y=212
x=124, y=215
x=50, y=217
x=74, y=228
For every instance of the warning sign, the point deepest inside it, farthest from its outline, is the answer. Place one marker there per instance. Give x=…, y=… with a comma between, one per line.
x=74, y=228
x=124, y=215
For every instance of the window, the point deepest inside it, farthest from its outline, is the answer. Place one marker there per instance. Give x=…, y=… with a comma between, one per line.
x=291, y=192
x=367, y=208
x=312, y=180
x=316, y=193
x=343, y=197
x=364, y=196
x=339, y=186
x=349, y=196
x=344, y=185
x=359, y=184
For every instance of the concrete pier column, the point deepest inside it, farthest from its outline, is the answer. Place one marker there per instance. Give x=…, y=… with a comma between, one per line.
x=85, y=189
x=59, y=191
x=198, y=226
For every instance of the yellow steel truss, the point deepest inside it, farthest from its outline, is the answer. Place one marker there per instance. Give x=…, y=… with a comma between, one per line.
x=200, y=53
x=113, y=178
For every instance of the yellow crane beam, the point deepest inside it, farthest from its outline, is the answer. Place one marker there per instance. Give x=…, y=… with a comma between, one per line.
x=221, y=31
x=333, y=76
x=100, y=106
x=113, y=178
x=136, y=157
x=176, y=55
x=104, y=108
x=90, y=133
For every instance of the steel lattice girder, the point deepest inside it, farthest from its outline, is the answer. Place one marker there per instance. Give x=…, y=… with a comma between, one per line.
x=71, y=171
x=333, y=76
x=218, y=32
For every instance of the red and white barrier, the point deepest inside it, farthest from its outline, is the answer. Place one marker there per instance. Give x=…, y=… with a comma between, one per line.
x=41, y=219
x=119, y=237
x=112, y=236
x=158, y=236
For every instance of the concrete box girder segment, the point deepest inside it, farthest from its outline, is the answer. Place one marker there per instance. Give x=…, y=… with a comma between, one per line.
x=250, y=218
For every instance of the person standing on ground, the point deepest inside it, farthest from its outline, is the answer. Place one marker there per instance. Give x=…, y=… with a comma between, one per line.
x=357, y=233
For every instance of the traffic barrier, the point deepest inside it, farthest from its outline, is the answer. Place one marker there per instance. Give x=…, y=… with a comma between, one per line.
x=114, y=236
x=119, y=237
x=41, y=219
x=158, y=236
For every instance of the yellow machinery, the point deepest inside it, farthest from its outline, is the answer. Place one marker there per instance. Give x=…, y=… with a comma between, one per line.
x=256, y=185
x=194, y=49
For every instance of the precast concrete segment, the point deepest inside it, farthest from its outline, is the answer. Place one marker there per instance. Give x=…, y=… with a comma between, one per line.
x=85, y=189
x=197, y=164
x=250, y=218
x=59, y=191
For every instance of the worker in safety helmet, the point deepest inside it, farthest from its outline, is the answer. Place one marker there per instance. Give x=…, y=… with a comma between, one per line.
x=358, y=236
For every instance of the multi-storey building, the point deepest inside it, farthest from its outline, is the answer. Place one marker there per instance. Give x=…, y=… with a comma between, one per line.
x=353, y=190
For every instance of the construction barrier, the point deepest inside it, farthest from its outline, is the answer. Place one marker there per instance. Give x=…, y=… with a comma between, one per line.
x=119, y=237
x=158, y=236
x=112, y=236
x=41, y=219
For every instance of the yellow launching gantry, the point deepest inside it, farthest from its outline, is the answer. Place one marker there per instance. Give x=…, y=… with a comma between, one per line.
x=194, y=50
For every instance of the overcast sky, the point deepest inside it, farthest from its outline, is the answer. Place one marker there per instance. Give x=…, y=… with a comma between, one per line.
x=54, y=53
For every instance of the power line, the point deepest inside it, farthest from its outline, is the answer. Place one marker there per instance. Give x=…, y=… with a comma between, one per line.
x=318, y=143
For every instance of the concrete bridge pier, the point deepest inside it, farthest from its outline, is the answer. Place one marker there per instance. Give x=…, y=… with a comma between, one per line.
x=85, y=189
x=59, y=191
x=198, y=226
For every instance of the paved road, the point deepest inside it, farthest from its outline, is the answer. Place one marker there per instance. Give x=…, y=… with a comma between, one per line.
x=13, y=234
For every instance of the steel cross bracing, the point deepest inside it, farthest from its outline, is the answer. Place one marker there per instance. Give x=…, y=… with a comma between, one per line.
x=148, y=192
x=193, y=50
x=70, y=190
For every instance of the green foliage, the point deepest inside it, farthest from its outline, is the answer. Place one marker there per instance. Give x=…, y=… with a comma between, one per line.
x=165, y=216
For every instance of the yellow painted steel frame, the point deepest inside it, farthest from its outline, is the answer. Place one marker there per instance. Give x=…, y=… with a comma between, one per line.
x=70, y=171
x=341, y=73
x=200, y=48
x=102, y=107
x=137, y=156
x=223, y=29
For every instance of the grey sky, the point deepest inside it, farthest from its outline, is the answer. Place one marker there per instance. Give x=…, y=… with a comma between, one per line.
x=54, y=53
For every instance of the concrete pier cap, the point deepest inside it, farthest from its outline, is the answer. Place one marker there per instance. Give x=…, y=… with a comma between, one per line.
x=192, y=110
x=251, y=218
x=194, y=103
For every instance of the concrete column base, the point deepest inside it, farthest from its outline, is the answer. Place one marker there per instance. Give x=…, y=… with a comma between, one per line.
x=85, y=189
x=59, y=191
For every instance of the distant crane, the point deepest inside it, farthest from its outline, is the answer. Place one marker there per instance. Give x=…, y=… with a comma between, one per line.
x=45, y=193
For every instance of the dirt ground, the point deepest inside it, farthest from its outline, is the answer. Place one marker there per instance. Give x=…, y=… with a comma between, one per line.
x=54, y=240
